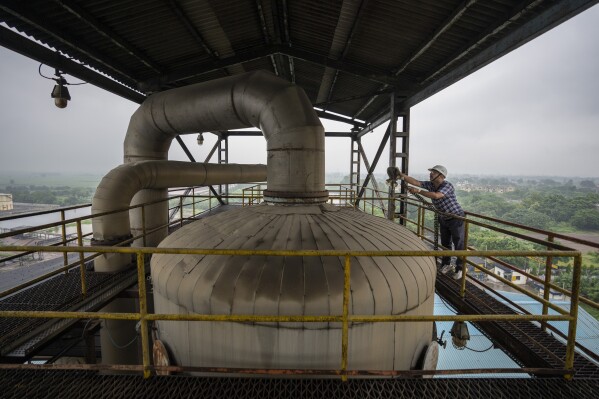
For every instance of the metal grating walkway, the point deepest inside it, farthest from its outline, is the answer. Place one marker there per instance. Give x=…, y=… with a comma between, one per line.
x=20, y=337
x=42, y=384
x=525, y=342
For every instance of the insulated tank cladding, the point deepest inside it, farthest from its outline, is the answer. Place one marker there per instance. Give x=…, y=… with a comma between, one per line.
x=291, y=285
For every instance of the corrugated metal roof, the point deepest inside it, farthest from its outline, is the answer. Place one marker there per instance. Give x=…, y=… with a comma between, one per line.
x=334, y=49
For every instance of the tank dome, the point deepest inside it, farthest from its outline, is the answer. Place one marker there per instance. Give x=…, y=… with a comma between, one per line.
x=260, y=285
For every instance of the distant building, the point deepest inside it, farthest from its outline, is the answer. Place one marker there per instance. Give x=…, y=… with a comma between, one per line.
x=6, y=203
x=476, y=273
x=509, y=274
x=469, y=187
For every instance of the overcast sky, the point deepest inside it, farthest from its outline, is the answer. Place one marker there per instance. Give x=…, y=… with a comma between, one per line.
x=532, y=112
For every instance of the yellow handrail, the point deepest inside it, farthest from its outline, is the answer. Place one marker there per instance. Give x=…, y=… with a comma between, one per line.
x=344, y=318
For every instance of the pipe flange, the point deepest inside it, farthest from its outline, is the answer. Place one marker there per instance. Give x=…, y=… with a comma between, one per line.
x=296, y=197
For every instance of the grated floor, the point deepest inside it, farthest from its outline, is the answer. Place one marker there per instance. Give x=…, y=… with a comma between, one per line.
x=59, y=293
x=543, y=346
x=20, y=384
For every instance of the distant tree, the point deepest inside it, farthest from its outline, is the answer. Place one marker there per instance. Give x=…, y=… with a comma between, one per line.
x=587, y=184
x=549, y=182
x=490, y=240
x=586, y=219
x=529, y=217
x=487, y=204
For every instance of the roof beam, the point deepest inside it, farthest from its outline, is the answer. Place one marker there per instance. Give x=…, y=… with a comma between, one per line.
x=545, y=20
x=352, y=31
x=285, y=23
x=497, y=27
x=448, y=23
x=182, y=17
x=241, y=57
x=27, y=15
x=278, y=40
x=370, y=126
x=339, y=118
x=258, y=133
x=265, y=34
x=22, y=45
x=156, y=84
x=87, y=18
x=345, y=66
x=351, y=98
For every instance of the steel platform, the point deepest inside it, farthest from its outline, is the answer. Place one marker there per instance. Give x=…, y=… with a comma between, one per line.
x=32, y=384
x=20, y=338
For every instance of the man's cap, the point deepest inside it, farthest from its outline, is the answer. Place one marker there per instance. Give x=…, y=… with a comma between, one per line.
x=440, y=168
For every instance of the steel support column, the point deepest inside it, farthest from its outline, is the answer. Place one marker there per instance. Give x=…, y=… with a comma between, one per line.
x=373, y=166
x=404, y=136
x=354, y=165
x=223, y=157
x=392, y=154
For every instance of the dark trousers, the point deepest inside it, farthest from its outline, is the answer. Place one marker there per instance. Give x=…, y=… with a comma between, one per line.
x=452, y=232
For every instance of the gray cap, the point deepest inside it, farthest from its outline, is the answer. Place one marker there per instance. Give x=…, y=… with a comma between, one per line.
x=441, y=169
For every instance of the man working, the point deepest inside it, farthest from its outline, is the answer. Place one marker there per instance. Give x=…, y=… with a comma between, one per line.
x=442, y=193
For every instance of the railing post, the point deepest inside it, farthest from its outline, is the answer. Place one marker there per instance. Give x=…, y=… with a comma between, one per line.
x=571, y=345
x=65, y=256
x=464, y=264
x=143, y=312
x=81, y=259
x=181, y=210
x=419, y=230
x=143, y=224
x=546, y=288
x=193, y=202
x=345, y=324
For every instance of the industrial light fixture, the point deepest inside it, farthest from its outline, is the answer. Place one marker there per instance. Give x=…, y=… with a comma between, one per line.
x=200, y=139
x=60, y=93
x=459, y=334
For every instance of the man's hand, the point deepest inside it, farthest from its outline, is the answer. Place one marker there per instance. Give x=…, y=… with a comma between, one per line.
x=414, y=190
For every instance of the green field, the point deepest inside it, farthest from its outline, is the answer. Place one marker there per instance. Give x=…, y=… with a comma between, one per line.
x=49, y=179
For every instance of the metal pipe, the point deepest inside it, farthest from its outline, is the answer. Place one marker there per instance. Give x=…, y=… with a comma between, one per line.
x=121, y=184
x=281, y=110
x=118, y=189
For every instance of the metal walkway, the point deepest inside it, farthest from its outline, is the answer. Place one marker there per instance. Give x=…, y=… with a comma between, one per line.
x=20, y=338
x=31, y=384
x=525, y=342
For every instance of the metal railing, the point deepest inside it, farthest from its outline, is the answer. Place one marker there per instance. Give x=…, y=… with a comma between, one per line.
x=144, y=317
x=343, y=195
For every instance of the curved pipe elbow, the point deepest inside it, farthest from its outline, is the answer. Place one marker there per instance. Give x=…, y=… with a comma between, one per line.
x=294, y=134
x=118, y=187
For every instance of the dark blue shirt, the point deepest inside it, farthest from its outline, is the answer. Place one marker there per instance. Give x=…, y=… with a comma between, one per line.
x=449, y=202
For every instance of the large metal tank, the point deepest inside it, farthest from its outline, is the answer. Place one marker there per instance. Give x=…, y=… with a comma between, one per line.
x=259, y=285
